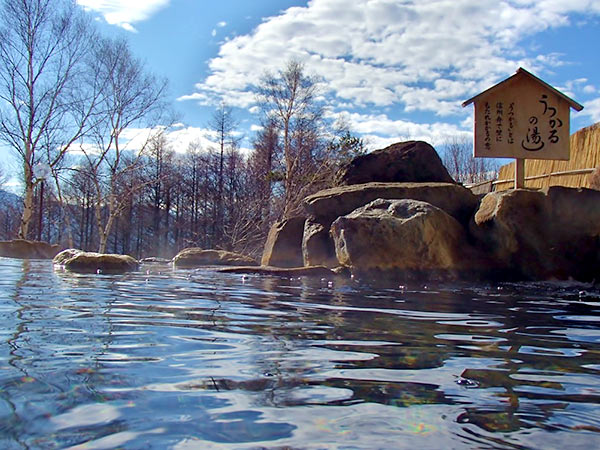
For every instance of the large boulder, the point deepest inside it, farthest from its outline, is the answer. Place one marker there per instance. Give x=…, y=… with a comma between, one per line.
x=24, y=249
x=405, y=238
x=412, y=161
x=329, y=204
x=541, y=235
x=284, y=244
x=197, y=257
x=90, y=262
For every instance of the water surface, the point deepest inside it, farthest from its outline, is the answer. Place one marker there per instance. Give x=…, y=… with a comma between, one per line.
x=195, y=359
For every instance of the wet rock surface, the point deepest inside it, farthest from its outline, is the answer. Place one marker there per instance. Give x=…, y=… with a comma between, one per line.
x=89, y=262
x=311, y=271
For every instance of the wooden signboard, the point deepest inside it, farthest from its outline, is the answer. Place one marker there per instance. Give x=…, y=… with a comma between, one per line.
x=522, y=117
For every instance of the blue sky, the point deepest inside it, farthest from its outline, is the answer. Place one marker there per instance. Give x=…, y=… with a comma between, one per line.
x=396, y=69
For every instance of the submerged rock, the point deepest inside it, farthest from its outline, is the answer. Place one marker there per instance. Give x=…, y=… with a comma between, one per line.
x=89, y=262
x=24, y=249
x=412, y=161
x=155, y=260
x=196, y=257
x=315, y=271
x=407, y=238
x=284, y=244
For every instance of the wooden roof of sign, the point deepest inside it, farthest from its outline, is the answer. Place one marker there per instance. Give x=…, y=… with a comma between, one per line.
x=520, y=73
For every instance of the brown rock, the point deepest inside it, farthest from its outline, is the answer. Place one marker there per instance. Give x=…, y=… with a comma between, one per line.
x=196, y=257
x=510, y=219
x=89, y=262
x=594, y=179
x=317, y=245
x=409, y=238
x=404, y=162
x=541, y=235
x=574, y=211
x=284, y=244
x=329, y=204
x=24, y=249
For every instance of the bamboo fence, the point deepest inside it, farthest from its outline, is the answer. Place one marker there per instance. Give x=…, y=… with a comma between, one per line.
x=585, y=156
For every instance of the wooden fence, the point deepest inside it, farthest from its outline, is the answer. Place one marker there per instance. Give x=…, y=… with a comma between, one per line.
x=585, y=156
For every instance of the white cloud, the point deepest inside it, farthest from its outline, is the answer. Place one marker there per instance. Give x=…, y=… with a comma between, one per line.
x=179, y=138
x=592, y=109
x=380, y=131
x=203, y=139
x=421, y=56
x=124, y=13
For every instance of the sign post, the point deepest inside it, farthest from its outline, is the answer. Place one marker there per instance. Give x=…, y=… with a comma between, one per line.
x=519, y=173
x=522, y=117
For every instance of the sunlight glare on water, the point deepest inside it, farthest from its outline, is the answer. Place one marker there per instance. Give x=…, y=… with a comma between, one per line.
x=192, y=359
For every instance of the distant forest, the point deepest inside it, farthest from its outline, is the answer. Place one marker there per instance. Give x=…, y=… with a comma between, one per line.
x=70, y=98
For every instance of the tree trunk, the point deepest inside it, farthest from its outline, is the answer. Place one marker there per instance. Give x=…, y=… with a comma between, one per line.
x=27, y=204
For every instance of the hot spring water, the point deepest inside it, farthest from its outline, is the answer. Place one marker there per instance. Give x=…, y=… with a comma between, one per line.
x=192, y=359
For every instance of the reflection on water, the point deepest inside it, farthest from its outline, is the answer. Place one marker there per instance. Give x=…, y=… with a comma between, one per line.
x=196, y=359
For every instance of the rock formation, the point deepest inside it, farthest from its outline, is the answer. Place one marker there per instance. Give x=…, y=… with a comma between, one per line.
x=431, y=229
x=327, y=205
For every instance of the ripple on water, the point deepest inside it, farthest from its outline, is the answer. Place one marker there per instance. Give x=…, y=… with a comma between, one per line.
x=198, y=359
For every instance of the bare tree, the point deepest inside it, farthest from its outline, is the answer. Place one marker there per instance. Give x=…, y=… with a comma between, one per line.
x=463, y=166
x=159, y=176
x=289, y=100
x=264, y=166
x=223, y=124
x=44, y=105
x=131, y=99
x=3, y=177
x=197, y=198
